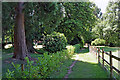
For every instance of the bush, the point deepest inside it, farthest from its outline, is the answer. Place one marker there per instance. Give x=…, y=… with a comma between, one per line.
x=71, y=50
x=42, y=67
x=98, y=42
x=55, y=42
x=78, y=47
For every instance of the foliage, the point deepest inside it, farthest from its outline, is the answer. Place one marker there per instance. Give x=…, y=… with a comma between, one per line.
x=63, y=70
x=112, y=18
x=39, y=17
x=71, y=50
x=55, y=42
x=42, y=67
x=43, y=18
x=98, y=29
x=98, y=42
x=78, y=21
x=8, y=21
x=78, y=47
x=108, y=27
x=72, y=19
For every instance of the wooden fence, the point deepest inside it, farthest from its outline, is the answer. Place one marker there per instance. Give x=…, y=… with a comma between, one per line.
x=98, y=51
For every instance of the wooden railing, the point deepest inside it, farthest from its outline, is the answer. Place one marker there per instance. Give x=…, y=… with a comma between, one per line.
x=111, y=61
x=97, y=51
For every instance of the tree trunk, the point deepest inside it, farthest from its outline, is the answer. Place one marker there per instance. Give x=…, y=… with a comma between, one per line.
x=20, y=48
x=30, y=46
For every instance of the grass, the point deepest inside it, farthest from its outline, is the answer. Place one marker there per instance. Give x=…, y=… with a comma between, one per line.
x=115, y=62
x=113, y=49
x=87, y=70
x=63, y=70
x=87, y=66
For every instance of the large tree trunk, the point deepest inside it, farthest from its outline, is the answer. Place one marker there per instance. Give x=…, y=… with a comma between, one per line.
x=20, y=48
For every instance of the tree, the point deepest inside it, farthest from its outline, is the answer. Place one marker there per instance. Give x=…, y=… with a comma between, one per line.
x=112, y=28
x=41, y=19
x=78, y=21
x=20, y=48
x=108, y=26
x=8, y=22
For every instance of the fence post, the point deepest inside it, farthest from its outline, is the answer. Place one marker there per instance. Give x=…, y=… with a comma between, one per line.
x=103, y=56
x=111, y=70
x=96, y=52
x=98, y=55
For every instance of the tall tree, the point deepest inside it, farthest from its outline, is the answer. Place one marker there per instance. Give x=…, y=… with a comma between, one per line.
x=79, y=19
x=40, y=19
x=108, y=26
x=20, y=48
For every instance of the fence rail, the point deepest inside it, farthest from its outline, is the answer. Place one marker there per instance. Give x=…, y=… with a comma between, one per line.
x=110, y=63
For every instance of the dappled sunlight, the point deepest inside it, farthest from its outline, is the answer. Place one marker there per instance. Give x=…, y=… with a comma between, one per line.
x=8, y=46
x=38, y=46
x=99, y=46
x=86, y=57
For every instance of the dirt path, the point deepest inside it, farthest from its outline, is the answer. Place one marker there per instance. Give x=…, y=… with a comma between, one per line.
x=85, y=66
x=70, y=69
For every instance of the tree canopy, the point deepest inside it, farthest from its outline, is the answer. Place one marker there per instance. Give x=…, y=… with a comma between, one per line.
x=108, y=27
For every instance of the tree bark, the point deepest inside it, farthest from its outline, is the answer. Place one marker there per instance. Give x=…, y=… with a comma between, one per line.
x=20, y=48
x=30, y=46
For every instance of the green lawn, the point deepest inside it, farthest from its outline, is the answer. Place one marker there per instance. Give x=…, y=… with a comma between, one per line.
x=113, y=49
x=115, y=62
x=87, y=66
x=87, y=70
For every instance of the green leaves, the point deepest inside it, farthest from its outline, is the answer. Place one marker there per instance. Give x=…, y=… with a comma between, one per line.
x=78, y=20
x=55, y=42
x=42, y=67
x=10, y=74
x=98, y=42
x=107, y=27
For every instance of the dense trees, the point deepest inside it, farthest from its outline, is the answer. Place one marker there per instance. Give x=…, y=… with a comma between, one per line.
x=78, y=21
x=38, y=16
x=75, y=20
x=7, y=22
x=42, y=19
x=108, y=26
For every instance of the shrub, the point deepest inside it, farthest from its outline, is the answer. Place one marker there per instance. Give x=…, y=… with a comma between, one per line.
x=71, y=50
x=55, y=42
x=98, y=42
x=78, y=47
x=42, y=68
